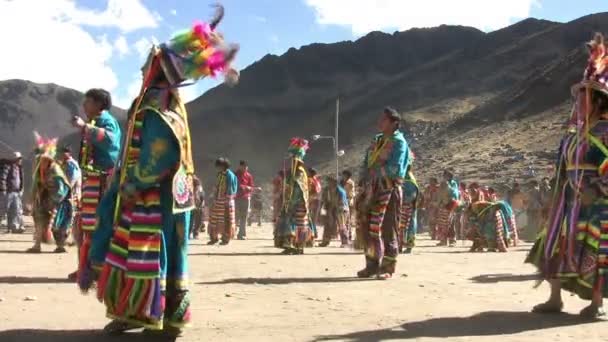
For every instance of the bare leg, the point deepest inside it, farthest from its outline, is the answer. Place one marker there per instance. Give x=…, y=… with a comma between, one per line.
x=555, y=303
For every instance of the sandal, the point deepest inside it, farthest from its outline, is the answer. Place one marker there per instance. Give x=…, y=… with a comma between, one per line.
x=117, y=327
x=548, y=308
x=366, y=273
x=593, y=312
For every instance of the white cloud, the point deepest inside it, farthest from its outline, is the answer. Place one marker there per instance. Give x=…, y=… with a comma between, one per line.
x=144, y=44
x=133, y=90
x=121, y=45
x=363, y=16
x=127, y=15
x=173, y=11
x=274, y=38
x=48, y=46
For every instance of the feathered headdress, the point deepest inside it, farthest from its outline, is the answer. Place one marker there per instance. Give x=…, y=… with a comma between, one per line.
x=298, y=147
x=45, y=147
x=197, y=53
x=596, y=73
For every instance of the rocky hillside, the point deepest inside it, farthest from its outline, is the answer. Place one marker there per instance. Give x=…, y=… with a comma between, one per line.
x=475, y=97
x=489, y=105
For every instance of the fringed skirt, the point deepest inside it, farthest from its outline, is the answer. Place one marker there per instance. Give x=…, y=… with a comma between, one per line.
x=222, y=220
x=576, y=254
x=144, y=279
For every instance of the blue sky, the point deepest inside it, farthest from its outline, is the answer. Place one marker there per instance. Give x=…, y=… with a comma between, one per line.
x=105, y=40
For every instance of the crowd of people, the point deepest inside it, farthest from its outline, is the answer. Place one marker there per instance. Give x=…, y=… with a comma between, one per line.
x=132, y=201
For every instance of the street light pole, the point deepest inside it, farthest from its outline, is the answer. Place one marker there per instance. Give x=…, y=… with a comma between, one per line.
x=336, y=140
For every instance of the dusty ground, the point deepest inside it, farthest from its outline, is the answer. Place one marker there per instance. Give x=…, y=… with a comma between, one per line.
x=247, y=292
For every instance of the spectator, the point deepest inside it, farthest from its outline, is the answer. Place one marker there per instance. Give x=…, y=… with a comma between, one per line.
x=243, y=198
x=4, y=164
x=14, y=191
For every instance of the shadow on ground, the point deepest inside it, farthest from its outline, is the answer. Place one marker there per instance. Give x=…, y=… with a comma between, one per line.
x=36, y=335
x=503, y=277
x=32, y=280
x=278, y=254
x=483, y=324
x=284, y=281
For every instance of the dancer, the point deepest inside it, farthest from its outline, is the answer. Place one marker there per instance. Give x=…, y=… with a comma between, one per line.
x=52, y=208
x=294, y=227
x=572, y=251
x=448, y=202
x=492, y=226
x=141, y=243
x=335, y=202
x=384, y=167
x=99, y=150
x=222, y=222
x=409, y=212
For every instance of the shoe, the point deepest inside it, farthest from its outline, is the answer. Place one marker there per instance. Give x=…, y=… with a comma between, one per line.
x=289, y=251
x=117, y=327
x=242, y=238
x=224, y=243
x=34, y=250
x=366, y=273
x=212, y=242
x=73, y=276
x=549, y=308
x=407, y=251
x=323, y=244
x=60, y=250
x=441, y=244
x=593, y=312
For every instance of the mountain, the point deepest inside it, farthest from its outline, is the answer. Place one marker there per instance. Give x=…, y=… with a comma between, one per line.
x=454, y=85
x=490, y=105
x=47, y=108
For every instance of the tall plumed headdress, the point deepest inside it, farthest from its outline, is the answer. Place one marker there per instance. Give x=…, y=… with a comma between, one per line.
x=45, y=147
x=298, y=147
x=596, y=73
x=196, y=53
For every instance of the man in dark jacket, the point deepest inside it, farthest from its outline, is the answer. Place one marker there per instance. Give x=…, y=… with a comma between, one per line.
x=14, y=191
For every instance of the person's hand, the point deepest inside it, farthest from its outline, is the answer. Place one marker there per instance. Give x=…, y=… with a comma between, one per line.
x=78, y=122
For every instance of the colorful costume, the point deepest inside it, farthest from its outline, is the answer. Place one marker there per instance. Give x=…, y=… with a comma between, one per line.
x=573, y=248
x=492, y=225
x=52, y=208
x=448, y=202
x=335, y=203
x=99, y=150
x=140, y=245
x=222, y=221
x=294, y=227
x=383, y=170
x=409, y=213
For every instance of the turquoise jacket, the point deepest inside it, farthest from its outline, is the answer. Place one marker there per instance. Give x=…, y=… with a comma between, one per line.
x=392, y=161
x=105, y=137
x=232, y=183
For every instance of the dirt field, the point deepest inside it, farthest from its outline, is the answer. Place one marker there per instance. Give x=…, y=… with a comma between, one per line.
x=247, y=292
